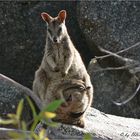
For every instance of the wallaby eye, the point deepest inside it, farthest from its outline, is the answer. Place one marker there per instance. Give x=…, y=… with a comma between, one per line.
x=59, y=30
x=50, y=31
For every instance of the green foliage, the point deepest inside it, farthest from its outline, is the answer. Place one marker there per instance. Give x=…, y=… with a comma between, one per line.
x=53, y=106
x=19, y=109
x=14, y=118
x=46, y=114
x=8, y=121
x=87, y=137
x=17, y=136
x=41, y=135
x=47, y=110
x=32, y=107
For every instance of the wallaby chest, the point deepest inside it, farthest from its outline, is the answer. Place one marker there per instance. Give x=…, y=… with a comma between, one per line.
x=59, y=56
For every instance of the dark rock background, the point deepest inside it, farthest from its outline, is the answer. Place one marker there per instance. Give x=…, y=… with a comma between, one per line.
x=10, y=95
x=114, y=26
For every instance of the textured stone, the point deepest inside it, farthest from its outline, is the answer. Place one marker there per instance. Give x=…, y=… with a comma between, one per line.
x=101, y=127
x=113, y=25
x=114, y=85
x=10, y=95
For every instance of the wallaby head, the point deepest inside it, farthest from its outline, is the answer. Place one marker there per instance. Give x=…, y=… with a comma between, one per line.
x=56, y=29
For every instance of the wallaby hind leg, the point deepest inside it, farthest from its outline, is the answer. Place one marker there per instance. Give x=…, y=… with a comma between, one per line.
x=40, y=83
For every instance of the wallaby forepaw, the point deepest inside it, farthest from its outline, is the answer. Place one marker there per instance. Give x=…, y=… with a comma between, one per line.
x=64, y=73
x=56, y=69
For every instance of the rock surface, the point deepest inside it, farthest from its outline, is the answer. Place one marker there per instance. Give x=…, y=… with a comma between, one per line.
x=10, y=94
x=113, y=25
x=101, y=126
x=114, y=86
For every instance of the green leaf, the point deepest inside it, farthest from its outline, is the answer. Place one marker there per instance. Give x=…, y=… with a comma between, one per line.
x=12, y=116
x=8, y=121
x=36, y=120
x=16, y=135
x=52, y=124
x=53, y=106
x=32, y=106
x=42, y=134
x=19, y=109
x=87, y=137
x=49, y=115
x=50, y=108
x=35, y=136
x=23, y=124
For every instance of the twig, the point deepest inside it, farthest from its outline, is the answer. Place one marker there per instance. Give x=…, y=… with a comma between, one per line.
x=135, y=70
x=114, y=68
x=133, y=46
x=129, y=99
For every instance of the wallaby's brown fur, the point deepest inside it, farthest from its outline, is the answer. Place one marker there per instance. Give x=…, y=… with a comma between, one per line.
x=61, y=61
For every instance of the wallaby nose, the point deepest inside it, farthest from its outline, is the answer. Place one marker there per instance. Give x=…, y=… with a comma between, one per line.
x=55, y=39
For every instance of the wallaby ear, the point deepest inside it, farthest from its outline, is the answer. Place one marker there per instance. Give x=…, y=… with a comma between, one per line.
x=62, y=15
x=46, y=17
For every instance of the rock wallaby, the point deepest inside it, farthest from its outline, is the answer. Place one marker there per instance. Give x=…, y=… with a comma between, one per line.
x=61, y=60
